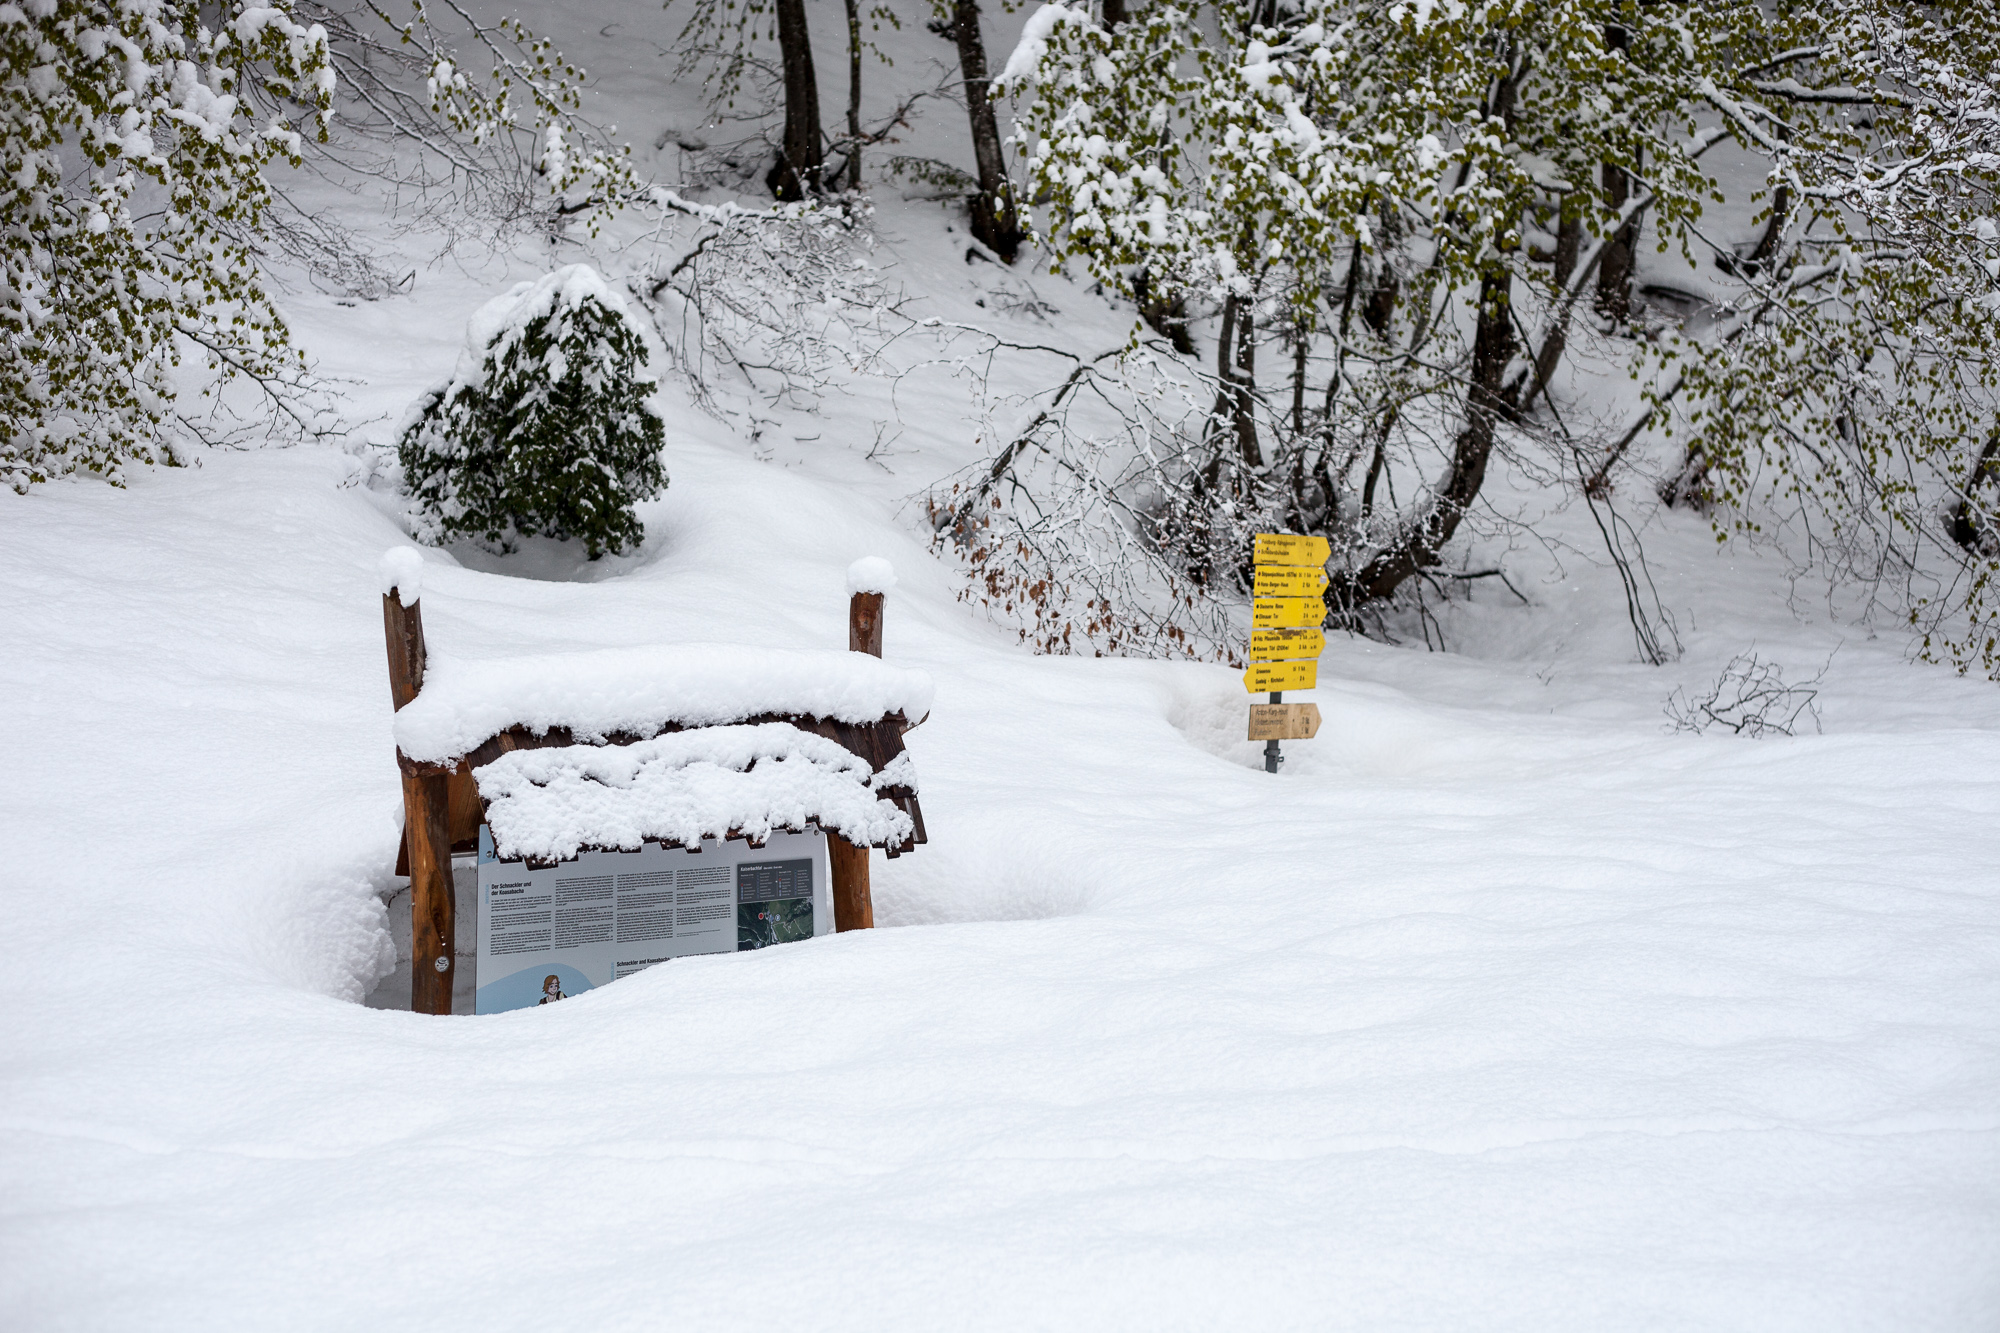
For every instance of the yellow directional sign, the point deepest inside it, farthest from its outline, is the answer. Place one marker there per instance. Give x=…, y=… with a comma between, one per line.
x=1288, y=612
x=1289, y=581
x=1279, y=645
x=1264, y=677
x=1284, y=722
x=1276, y=548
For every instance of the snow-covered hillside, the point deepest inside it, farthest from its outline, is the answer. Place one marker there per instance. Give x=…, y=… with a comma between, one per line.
x=1503, y=1006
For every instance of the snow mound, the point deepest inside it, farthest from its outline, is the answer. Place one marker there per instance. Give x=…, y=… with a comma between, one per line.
x=871, y=573
x=638, y=691
x=686, y=786
x=402, y=571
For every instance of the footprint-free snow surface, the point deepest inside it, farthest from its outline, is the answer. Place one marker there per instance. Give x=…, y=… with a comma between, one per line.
x=1499, y=1008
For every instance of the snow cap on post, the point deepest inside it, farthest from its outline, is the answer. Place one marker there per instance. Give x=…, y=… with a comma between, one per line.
x=402, y=571
x=871, y=573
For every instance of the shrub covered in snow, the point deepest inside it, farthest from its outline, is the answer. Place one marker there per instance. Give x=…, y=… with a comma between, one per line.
x=545, y=428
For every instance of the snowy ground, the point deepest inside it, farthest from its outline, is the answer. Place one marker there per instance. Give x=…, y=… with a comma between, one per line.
x=1502, y=1007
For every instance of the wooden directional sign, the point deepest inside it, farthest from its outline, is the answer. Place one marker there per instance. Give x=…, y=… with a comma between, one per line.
x=1289, y=581
x=1284, y=722
x=1288, y=612
x=1275, y=548
x=1264, y=677
x=1280, y=645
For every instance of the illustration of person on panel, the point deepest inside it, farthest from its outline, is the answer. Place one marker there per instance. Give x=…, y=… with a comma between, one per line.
x=551, y=990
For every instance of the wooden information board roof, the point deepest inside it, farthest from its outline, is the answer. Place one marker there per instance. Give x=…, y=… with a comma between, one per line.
x=471, y=713
x=680, y=789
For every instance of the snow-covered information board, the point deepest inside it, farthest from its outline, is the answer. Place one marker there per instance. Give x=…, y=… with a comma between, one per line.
x=548, y=934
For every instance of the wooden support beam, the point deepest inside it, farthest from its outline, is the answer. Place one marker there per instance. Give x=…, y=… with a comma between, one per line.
x=432, y=961
x=464, y=812
x=853, y=906
x=426, y=828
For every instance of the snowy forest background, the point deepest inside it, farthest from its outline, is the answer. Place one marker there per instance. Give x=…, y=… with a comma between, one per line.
x=1369, y=257
x=1621, y=953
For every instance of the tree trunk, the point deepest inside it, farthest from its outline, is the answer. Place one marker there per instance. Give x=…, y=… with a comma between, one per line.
x=1236, y=368
x=1971, y=528
x=1774, y=229
x=1165, y=313
x=1424, y=541
x=1569, y=245
x=799, y=167
x=1378, y=311
x=853, y=94
x=1614, y=270
x=1688, y=487
x=1225, y=371
x=1569, y=242
x=1299, y=349
x=994, y=222
x=1114, y=13
x=1242, y=401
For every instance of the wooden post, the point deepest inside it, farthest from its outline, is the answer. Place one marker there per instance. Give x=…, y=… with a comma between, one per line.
x=864, y=623
x=403, y=627
x=431, y=959
x=853, y=907
x=426, y=839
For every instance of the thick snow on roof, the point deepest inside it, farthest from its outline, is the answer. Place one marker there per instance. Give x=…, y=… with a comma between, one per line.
x=639, y=690
x=683, y=787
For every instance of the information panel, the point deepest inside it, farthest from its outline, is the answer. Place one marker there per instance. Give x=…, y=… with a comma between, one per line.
x=545, y=935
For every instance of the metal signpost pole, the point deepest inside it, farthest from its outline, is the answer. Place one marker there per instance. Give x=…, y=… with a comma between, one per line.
x=1271, y=756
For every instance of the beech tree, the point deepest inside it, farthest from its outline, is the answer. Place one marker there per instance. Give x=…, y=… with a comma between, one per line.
x=1364, y=175
x=722, y=35
x=1849, y=407
x=133, y=179
x=995, y=221
x=1415, y=198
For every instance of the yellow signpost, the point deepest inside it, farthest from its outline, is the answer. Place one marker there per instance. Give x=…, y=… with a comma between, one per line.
x=1285, y=637
x=1262, y=677
x=1289, y=581
x=1278, y=548
x=1279, y=645
x=1287, y=613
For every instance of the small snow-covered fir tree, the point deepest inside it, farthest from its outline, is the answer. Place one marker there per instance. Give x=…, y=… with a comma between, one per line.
x=546, y=428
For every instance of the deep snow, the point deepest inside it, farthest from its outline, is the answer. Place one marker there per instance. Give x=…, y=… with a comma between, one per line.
x=1501, y=1007
x=1475, y=1017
